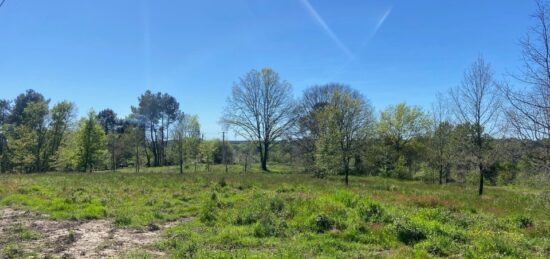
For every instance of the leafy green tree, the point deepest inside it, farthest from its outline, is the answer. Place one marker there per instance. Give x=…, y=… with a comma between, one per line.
x=344, y=126
x=207, y=150
x=109, y=122
x=67, y=156
x=157, y=112
x=23, y=146
x=186, y=138
x=21, y=102
x=400, y=126
x=60, y=121
x=5, y=110
x=442, y=150
x=33, y=127
x=440, y=146
x=91, y=144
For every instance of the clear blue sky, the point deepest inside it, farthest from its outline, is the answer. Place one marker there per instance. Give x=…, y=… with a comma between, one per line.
x=104, y=53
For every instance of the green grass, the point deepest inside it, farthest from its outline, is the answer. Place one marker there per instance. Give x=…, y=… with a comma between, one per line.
x=266, y=215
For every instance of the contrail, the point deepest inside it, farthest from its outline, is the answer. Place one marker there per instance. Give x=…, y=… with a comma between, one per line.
x=382, y=20
x=327, y=29
x=376, y=27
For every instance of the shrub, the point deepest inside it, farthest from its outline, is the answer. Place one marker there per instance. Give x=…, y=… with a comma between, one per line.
x=208, y=212
x=322, y=223
x=222, y=183
x=269, y=227
x=372, y=212
x=123, y=220
x=409, y=233
x=276, y=205
x=524, y=221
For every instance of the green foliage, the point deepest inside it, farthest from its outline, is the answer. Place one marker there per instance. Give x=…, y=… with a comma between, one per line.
x=91, y=144
x=400, y=127
x=321, y=223
x=408, y=232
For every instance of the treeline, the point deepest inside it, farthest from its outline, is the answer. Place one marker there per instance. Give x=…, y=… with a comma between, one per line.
x=483, y=129
x=35, y=137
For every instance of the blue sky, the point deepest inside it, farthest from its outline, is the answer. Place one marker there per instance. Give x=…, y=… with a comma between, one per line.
x=104, y=54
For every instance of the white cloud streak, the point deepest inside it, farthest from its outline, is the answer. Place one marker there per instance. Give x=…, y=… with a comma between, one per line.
x=327, y=29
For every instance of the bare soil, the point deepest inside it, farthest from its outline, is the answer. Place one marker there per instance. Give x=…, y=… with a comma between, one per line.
x=36, y=234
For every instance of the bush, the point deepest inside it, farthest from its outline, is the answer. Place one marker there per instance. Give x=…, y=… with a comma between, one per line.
x=523, y=221
x=409, y=233
x=208, y=212
x=322, y=223
x=269, y=227
x=372, y=212
x=222, y=183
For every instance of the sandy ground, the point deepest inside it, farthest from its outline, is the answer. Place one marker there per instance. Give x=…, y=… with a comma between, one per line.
x=76, y=239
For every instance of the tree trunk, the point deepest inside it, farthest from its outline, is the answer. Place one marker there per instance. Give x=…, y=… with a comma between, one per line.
x=346, y=171
x=440, y=174
x=264, y=156
x=480, y=179
x=137, y=158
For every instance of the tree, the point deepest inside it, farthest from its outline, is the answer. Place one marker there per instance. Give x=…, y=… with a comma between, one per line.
x=91, y=145
x=442, y=130
x=307, y=126
x=169, y=113
x=399, y=127
x=21, y=102
x=61, y=118
x=186, y=137
x=477, y=103
x=157, y=112
x=109, y=122
x=5, y=110
x=529, y=111
x=207, y=150
x=34, y=120
x=344, y=124
x=260, y=109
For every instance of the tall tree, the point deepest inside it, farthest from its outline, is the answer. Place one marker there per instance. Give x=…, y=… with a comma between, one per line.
x=90, y=143
x=109, y=122
x=307, y=126
x=21, y=102
x=529, y=111
x=344, y=123
x=157, y=112
x=61, y=118
x=441, y=137
x=399, y=127
x=185, y=137
x=477, y=103
x=260, y=109
x=5, y=110
x=35, y=120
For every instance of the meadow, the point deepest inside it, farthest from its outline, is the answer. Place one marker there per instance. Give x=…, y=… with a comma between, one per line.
x=288, y=215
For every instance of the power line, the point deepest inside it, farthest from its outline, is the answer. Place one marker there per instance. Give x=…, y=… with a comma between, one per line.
x=2, y=3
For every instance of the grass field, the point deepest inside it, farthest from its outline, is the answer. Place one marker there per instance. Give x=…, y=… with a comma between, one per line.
x=266, y=215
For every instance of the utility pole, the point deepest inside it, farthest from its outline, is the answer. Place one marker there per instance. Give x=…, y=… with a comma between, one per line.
x=224, y=151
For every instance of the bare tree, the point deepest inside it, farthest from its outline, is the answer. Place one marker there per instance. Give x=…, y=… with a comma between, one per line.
x=260, y=109
x=441, y=135
x=529, y=111
x=477, y=103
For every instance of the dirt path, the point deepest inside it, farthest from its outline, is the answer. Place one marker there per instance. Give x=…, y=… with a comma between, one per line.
x=25, y=233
